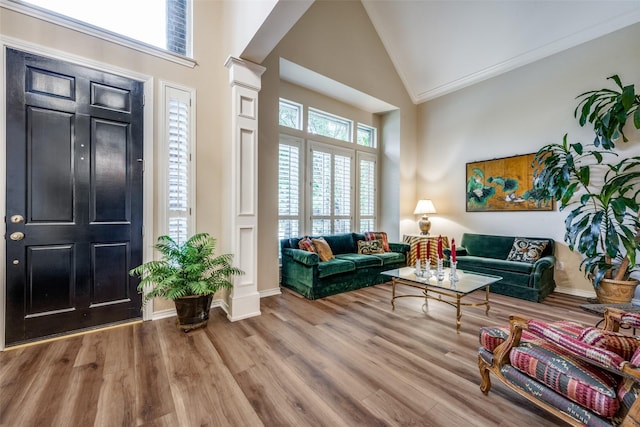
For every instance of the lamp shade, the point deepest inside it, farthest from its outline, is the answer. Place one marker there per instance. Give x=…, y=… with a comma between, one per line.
x=424, y=207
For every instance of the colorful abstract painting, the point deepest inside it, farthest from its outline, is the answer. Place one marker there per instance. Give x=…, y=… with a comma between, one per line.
x=504, y=184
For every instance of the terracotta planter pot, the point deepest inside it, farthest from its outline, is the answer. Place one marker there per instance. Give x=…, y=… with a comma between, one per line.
x=193, y=311
x=616, y=291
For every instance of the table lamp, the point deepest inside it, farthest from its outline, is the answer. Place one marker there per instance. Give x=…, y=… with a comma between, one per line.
x=423, y=208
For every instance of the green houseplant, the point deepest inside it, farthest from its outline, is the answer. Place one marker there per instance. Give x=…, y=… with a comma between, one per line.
x=600, y=189
x=189, y=274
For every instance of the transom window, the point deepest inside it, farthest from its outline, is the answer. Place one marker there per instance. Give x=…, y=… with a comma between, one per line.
x=366, y=136
x=325, y=124
x=290, y=114
x=160, y=23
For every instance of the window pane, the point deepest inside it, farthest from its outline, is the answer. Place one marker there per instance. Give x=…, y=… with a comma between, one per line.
x=178, y=229
x=366, y=136
x=329, y=125
x=367, y=188
x=288, y=180
x=288, y=228
x=366, y=225
x=321, y=184
x=178, y=155
x=164, y=24
x=321, y=227
x=342, y=185
x=342, y=226
x=290, y=114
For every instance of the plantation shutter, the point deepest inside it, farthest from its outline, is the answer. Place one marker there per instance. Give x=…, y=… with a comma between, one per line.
x=367, y=187
x=331, y=202
x=179, y=164
x=288, y=190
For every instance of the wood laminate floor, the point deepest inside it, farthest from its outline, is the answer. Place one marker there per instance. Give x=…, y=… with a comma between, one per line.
x=346, y=360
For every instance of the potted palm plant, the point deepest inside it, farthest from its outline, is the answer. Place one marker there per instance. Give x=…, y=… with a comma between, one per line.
x=189, y=274
x=600, y=189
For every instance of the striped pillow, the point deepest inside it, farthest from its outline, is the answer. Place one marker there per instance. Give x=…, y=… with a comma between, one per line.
x=624, y=345
x=378, y=235
x=306, y=244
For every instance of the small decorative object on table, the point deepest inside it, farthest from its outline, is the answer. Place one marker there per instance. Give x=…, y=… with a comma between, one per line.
x=440, y=272
x=453, y=275
x=418, y=258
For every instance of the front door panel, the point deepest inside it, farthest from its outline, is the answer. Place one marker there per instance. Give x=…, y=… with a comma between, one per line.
x=74, y=174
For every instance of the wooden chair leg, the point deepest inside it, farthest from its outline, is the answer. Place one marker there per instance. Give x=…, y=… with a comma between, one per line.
x=485, y=386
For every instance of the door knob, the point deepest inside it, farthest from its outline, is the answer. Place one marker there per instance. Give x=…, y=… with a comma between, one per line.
x=17, y=219
x=18, y=235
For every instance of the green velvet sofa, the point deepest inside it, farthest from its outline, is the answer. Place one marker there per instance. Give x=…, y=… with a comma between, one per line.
x=488, y=254
x=303, y=271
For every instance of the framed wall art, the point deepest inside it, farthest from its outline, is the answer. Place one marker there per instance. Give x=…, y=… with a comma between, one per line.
x=504, y=184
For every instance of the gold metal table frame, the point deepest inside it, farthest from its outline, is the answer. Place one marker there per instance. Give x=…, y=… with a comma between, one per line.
x=447, y=291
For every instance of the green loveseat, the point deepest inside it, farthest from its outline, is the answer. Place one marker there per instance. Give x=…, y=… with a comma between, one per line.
x=488, y=254
x=303, y=271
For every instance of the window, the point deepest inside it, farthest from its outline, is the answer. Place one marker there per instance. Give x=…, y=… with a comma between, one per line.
x=367, y=192
x=331, y=203
x=366, y=136
x=165, y=24
x=336, y=191
x=325, y=124
x=289, y=188
x=290, y=114
x=179, y=170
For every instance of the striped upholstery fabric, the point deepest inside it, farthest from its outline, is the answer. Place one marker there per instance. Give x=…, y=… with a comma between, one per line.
x=631, y=319
x=585, y=384
x=492, y=336
x=602, y=356
x=554, y=399
x=624, y=345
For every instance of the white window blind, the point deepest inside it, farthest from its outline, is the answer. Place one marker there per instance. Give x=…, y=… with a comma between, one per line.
x=367, y=190
x=331, y=183
x=179, y=168
x=288, y=190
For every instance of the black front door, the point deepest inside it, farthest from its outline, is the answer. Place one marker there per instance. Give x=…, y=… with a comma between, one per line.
x=73, y=197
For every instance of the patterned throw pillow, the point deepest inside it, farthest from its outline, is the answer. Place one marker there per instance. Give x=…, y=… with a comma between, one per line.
x=527, y=250
x=378, y=235
x=306, y=244
x=370, y=247
x=323, y=249
x=624, y=345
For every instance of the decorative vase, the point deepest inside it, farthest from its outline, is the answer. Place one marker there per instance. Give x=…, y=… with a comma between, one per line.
x=193, y=311
x=611, y=291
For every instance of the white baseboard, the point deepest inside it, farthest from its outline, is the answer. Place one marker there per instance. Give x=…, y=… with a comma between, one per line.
x=575, y=292
x=171, y=312
x=270, y=292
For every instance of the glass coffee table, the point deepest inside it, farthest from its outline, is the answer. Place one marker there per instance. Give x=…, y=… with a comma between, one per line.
x=445, y=290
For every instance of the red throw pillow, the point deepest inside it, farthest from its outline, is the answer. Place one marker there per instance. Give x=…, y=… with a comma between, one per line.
x=306, y=244
x=378, y=235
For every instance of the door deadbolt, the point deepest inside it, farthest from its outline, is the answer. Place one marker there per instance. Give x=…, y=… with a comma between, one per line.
x=18, y=235
x=17, y=219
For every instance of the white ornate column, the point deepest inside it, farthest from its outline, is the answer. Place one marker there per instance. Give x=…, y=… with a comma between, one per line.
x=245, y=79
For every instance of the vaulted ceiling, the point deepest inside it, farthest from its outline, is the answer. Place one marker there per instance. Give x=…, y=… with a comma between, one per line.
x=439, y=46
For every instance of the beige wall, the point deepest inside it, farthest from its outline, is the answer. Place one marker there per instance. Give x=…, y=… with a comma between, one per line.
x=337, y=40
x=516, y=113
x=209, y=78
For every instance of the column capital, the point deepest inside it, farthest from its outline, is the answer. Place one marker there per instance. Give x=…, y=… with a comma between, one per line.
x=244, y=73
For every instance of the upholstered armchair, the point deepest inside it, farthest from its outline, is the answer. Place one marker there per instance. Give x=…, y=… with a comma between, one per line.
x=583, y=375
